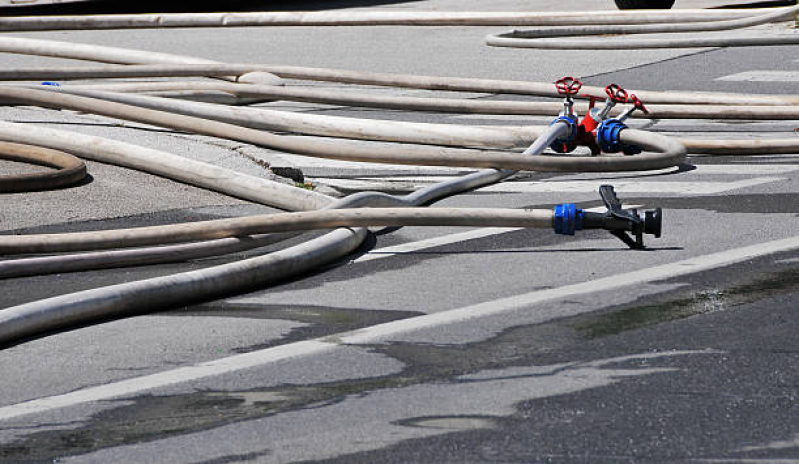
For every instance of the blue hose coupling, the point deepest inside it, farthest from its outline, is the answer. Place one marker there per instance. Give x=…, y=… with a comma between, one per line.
x=607, y=137
x=567, y=219
x=51, y=83
x=564, y=144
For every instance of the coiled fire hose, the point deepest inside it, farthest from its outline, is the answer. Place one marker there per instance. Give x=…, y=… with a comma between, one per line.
x=385, y=142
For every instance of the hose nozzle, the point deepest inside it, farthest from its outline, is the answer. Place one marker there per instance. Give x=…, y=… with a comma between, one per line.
x=627, y=225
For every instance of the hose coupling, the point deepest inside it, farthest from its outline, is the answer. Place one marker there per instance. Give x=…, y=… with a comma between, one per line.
x=607, y=137
x=565, y=144
x=567, y=219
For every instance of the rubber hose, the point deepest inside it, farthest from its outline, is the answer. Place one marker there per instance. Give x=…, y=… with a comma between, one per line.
x=69, y=170
x=57, y=313
x=167, y=165
x=553, y=38
x=105, y=54
x=362, y=18
x=279, y=222
x=458, y=84
x=263, y=117
x=664, y=157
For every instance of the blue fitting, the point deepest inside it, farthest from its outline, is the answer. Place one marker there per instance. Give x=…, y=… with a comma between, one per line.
x=561, y=145
x=54, y=84
x=607, y=135
x=567, y=219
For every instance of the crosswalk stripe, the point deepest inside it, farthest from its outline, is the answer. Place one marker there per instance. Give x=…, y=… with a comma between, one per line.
x=762, y=76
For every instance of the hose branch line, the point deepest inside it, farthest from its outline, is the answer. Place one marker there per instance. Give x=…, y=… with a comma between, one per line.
x=117, y=55
x=450, y=134
x=175, y=253
x=331, y=126
x=544, y=89
x=32, y=319
x=108, y=259
x=69, y=170
x=556, y=37
x=665, y=152
x=167, y=165
x=443, y=134
x=459, y=84
x=279, y=222
x=364, y=18
x=262, y=117
x=362, y=99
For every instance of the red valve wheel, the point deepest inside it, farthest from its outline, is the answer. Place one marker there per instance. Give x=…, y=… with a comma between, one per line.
x=616, y=93
x=638, y=104
x=568, y=85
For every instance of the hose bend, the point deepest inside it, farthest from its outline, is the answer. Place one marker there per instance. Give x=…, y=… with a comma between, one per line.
x=69, y=170
x=557, y=37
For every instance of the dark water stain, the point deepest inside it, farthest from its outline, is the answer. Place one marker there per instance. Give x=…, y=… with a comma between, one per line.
x=612, y=321
x=149, y=418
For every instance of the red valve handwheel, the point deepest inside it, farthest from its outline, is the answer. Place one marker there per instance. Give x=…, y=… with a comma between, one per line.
x=638, y=104
x=616, y=93
x=568, y=85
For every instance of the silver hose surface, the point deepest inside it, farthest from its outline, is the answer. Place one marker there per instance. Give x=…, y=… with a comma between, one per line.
x=554, y=38
x=363, y=18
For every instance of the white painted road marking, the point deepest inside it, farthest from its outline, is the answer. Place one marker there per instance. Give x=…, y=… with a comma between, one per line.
x=380, y=332
x=762, y=76
x=433, y=242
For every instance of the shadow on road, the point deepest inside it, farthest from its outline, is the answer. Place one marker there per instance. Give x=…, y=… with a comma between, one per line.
x=152, y=6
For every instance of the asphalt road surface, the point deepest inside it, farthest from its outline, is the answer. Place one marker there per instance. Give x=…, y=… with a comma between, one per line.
x=433, y=344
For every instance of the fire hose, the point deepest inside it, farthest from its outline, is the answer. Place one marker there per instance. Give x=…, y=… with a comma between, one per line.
x=602, y=131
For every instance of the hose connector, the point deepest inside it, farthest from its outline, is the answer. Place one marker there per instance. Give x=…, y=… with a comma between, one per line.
x=565, y=144
x=567, y=219
x=609, y=140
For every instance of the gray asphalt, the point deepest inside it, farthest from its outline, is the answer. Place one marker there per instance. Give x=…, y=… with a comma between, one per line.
x=694, y=368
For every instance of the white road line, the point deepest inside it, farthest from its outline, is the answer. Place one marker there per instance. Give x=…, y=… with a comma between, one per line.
x=762, y=76
x=378, y=332
x=433, y=242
